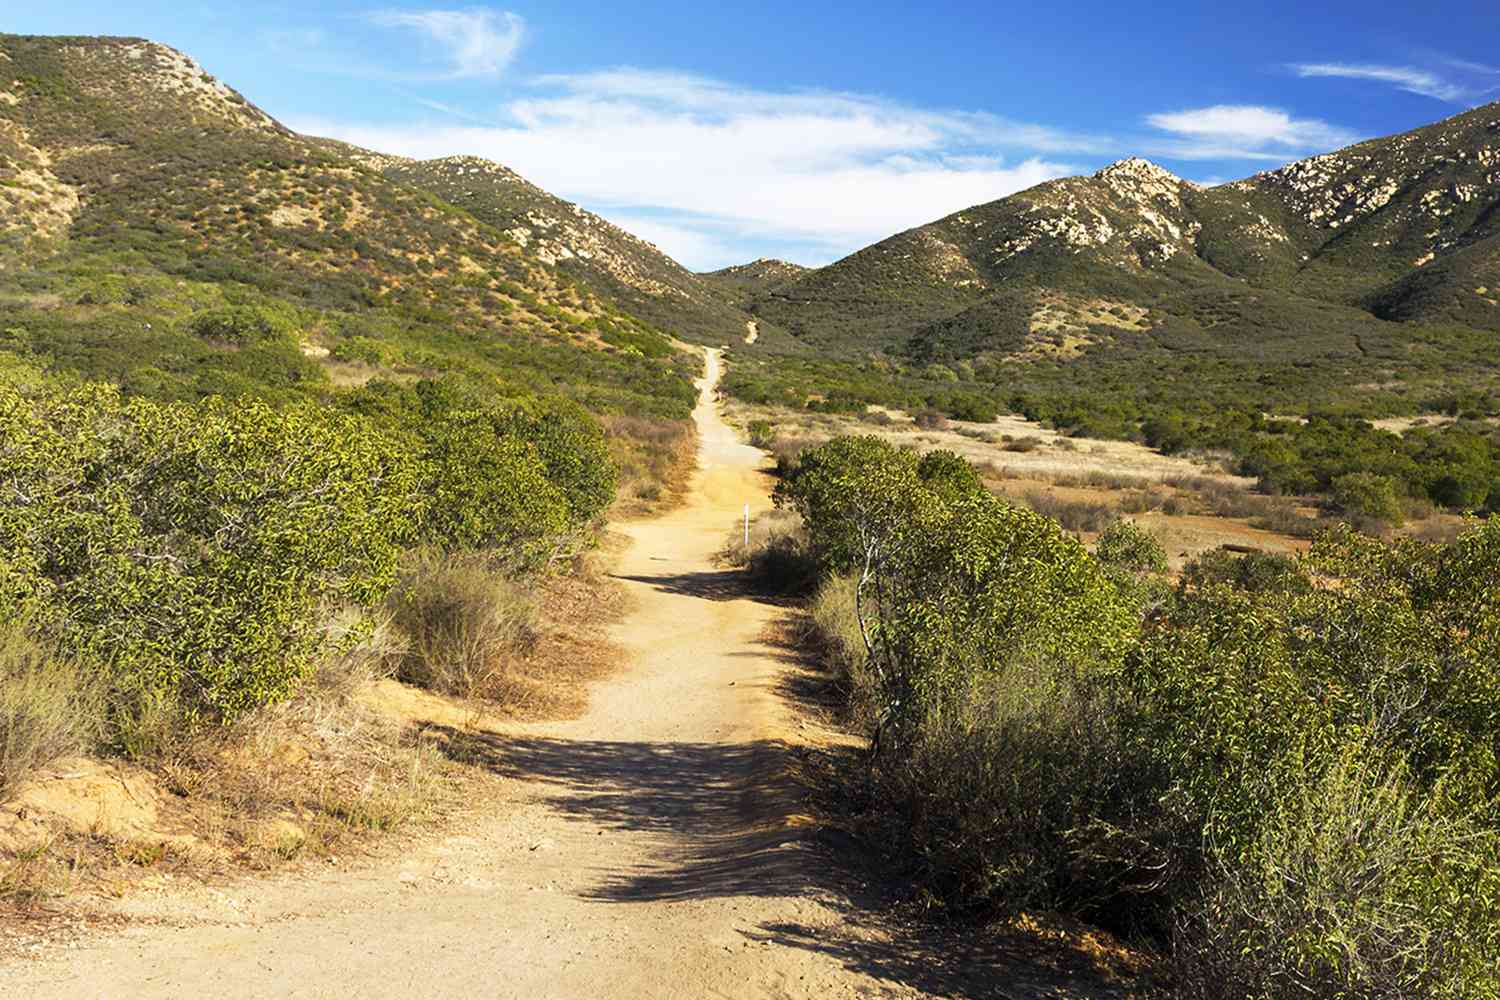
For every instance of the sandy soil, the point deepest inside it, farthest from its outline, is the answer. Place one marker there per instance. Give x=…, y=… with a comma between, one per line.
x=649, y=848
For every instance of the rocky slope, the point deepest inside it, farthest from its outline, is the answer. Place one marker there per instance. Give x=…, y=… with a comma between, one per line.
x=756, y=277
x=137, y=190
x=1406, y=227
x=579, y=243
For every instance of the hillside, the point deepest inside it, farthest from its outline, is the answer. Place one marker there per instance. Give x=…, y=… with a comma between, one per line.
x=1404, y=227
x=138, y=193
x=598, y=254
x=755, y=278
x=1363, y=280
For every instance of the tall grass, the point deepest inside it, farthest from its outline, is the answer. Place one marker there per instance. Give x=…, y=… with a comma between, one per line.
x=464, y=626
x=50, y=706
x=776, y=556
x=834, y=629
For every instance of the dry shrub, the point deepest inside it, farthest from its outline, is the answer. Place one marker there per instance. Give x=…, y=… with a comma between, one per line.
x=654, y=457
x=1075, y=515
x=1141, y=501
x=992, y=800
x=32, y=876
x=777, y=557
x=1355, y=887
x=835, y=633
x=1025, y=444
x=931, y=420
x=465, y=626
x=787, y=451
x=50, y=706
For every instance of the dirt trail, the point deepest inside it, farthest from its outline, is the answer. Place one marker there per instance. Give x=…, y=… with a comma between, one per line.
x=646, y=849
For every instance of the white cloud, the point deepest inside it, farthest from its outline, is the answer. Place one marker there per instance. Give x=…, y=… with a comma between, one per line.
x=1243, y=132
x=473, y=43
x=703, y=167
x=1407, y=78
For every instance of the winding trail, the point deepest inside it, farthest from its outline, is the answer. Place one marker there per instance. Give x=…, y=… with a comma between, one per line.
x=646, y=849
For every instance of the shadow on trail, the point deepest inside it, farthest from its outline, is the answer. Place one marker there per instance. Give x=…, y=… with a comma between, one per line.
x=709, y=585
x=976, y=963
x=722, y=805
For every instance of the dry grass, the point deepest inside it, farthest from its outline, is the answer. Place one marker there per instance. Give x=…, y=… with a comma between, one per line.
x=655, y=459
x=1075, y=515
x=465, y=626
x=50, y=706
x=775, y=556
x=1048, y=454
x=571, y=648
x=834, y=634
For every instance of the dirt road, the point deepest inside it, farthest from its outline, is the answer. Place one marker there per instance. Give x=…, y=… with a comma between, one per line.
x=646, y=851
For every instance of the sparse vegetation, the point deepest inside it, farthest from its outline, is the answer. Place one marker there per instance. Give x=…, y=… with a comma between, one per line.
x=50, y=706
x=464, y=625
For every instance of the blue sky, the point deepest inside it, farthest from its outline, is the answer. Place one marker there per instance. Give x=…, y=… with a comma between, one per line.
x=804, y=131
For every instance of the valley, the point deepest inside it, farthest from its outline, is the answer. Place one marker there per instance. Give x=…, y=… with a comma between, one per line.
x=415, y=583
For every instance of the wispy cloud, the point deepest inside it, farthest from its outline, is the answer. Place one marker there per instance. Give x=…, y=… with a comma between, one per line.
x=473, y=43
x=708, y=169
x=1407, y=78
x=1242, y=132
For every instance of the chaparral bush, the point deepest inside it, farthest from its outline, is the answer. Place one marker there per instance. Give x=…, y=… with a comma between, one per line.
x=1284, y=772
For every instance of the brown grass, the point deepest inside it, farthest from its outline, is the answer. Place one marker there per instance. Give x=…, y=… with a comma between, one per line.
x=655, y=459
x=570, y=650
x=50, y=706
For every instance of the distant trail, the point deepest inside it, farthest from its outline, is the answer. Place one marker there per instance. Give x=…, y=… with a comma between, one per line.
x=646, y=849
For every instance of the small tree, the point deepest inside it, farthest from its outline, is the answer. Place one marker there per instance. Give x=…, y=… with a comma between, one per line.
x=1368, y=495
x=1126, y=546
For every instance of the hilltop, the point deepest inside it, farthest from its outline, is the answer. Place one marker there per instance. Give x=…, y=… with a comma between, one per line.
x=756, y=277
x=1363, y=279
x=598, y=254
x=138, y=192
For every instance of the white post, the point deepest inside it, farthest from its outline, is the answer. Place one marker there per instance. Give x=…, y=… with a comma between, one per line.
x=747, y=526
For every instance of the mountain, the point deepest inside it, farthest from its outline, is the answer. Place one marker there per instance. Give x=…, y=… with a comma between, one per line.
x=597, y=253
x=1402, y=228
x=138, y=195
x=755, y=278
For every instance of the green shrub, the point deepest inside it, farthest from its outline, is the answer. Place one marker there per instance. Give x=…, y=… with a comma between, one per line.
x=1292, y=764
x=1124, y=545
x=762, y=433
x=365, y=350
x=488, y=490
x=1354, y=886
x=194, y=544
x=1256, y=572
x=1369, y=496
x=961, y=583
x=240, y=326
